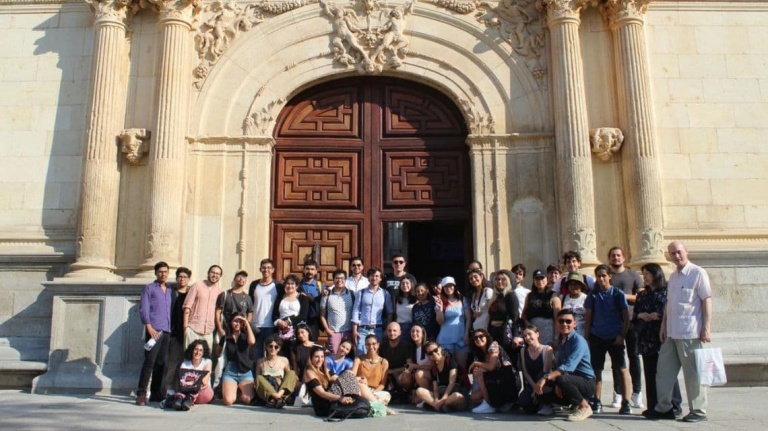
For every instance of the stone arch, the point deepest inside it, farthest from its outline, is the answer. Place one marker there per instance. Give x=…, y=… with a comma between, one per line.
x=449, y=52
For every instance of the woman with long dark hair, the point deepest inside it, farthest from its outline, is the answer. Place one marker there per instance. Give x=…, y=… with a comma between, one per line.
x=541, y=308
x=448, y=389
x=455, y=318
x=290, y=308
x=647, y=316
x=481, y=297
x=424, y=313
x=405, y=299
x=237, y=372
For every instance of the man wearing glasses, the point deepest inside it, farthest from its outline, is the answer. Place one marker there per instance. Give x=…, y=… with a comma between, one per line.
x=336, y=311
x=356, y=280
x=392, y=282
x=573, y=380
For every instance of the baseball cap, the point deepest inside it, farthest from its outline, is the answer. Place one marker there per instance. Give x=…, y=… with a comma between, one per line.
x=539, y=274
x=447, y=280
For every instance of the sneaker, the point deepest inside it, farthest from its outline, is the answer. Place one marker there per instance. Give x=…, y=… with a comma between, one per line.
x=506, y=408
x=579, y=415
x=616, y=400
x=484, y=407
x=186, y=404
x=637, y=400
x=420, y=405
x=597, y=406
x=625, y=409
x=545, y=410
x=694, y=417
x=141, y=400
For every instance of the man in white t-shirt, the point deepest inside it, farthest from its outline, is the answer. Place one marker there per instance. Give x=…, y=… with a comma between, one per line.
x=356, y=280
x=520, y=290
x=686, y=326
x=263, y=293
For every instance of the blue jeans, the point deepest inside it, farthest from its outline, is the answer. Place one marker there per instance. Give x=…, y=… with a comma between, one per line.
x=261, y=340
x=360, y=350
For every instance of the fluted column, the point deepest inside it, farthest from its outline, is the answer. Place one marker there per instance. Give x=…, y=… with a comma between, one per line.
x=574, y=165
x=639, y=160
x=95, y=248
x=167, y=158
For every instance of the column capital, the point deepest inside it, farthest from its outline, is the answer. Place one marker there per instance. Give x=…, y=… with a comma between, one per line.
x=113, y=11
x=557, y=11
x=618, y=13
x=184, y=11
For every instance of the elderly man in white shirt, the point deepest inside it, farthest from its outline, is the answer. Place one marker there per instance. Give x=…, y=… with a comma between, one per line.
x=687, y=324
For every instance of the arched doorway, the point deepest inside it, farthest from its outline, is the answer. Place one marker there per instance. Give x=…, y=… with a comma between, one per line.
x=371, y=166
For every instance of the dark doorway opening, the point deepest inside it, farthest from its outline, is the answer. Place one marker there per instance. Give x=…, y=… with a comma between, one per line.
x=433, y=249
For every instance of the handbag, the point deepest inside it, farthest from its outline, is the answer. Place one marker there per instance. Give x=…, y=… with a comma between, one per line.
x=360, y=408
x=709, y=364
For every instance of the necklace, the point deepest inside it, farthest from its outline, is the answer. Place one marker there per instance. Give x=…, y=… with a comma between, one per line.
x=272, y=364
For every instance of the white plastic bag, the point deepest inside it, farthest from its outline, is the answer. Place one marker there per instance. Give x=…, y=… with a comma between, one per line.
x=709, y=363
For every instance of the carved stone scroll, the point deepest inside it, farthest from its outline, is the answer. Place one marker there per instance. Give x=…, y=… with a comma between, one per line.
x=606, y=141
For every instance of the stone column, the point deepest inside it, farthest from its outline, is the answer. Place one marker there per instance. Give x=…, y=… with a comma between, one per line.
x=639, y=159
x=167, y=157
x=95, y=248
x=575, y=193
x=485, y=200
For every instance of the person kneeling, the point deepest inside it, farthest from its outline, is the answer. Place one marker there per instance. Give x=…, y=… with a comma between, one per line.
x=573, y=380
x=237, y=372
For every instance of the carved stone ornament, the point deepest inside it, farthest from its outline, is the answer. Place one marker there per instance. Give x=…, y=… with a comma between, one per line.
x=479, y=123
x=584, y=241
x=652, y=242
x=223, y=21
x=180, y=10
x=370, y=36
x=133, y=143
x=606, y=141
x=518, y=22
x=614, y=11
x=114, y=10
x=257, y=122
x=552, y=9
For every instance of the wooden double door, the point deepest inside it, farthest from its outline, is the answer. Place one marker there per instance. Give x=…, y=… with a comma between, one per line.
x=352, y=157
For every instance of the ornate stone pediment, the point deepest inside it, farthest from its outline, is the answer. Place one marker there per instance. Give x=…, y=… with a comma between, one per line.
x=369, y=36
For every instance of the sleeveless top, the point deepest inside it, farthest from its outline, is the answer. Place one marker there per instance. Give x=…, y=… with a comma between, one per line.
x=534, y=367
x=373, y=372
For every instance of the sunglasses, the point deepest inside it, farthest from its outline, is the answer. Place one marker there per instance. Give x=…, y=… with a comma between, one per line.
x=432, y=352
x=398, y=262
x=273, y=346
x=565, y=321
x=479, y=337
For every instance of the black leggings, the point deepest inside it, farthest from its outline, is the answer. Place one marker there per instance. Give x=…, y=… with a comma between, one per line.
x=575, y=389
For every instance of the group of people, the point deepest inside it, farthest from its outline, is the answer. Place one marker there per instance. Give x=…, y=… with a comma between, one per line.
x=488, y=344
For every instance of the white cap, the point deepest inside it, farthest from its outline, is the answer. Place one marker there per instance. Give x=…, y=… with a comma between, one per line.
x=447, y=280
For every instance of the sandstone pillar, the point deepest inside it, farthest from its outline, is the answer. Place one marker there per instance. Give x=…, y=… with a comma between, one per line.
x=639, y=160
x=168, y=152
x=95, y=247
x=575, y=193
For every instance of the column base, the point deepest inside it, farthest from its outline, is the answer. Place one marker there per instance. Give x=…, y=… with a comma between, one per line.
x=86, y=271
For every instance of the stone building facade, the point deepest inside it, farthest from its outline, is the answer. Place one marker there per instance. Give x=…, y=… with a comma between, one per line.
x=184, y=131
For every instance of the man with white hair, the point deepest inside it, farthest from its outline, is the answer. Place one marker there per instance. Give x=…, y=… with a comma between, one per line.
x=686, y=326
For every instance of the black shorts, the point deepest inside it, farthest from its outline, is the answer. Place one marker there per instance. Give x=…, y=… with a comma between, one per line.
x=598, y=347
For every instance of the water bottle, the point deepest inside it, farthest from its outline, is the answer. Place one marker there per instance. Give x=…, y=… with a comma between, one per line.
x=150, y=344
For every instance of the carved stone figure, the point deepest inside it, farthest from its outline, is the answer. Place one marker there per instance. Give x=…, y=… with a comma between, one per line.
x=380, y=43
x=134, y=144
x=606, y=141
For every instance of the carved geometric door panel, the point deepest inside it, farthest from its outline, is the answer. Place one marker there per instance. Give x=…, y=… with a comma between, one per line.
x=333, y=245
x=354, y=154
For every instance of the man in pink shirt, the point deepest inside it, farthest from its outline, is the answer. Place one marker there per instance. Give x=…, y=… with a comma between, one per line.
x=200, y=308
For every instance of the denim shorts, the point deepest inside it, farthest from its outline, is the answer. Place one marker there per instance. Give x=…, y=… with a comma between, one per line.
x=232, y=374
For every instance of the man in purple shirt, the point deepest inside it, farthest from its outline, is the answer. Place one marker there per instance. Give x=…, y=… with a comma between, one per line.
x=155, y=313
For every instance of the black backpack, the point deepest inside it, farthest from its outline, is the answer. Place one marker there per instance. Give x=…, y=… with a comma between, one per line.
x=360, y=408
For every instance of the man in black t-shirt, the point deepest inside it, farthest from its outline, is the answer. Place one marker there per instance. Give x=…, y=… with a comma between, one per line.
x=233, y=301
x=392, y=281
x=399, y=354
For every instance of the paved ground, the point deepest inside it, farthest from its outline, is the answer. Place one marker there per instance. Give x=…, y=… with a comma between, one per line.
x=730, y=409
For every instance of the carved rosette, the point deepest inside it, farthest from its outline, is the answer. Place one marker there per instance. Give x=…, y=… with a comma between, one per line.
x=616, y=12
x=606, y=141
x=134, y=144
x=369, y=37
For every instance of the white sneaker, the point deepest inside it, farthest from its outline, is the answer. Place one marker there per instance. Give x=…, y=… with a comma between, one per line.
x=546, y=410
x=616, y=400
x=637, y=400
x=484, y=407
x=420, y=405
